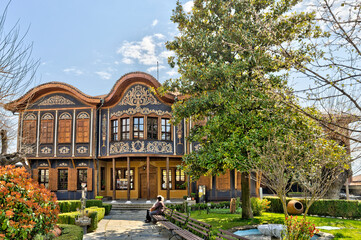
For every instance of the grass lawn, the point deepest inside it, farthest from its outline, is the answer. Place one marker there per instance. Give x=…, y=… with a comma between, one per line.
x=221, y=218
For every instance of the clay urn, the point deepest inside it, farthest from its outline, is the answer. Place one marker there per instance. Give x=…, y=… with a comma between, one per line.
x=294, y=207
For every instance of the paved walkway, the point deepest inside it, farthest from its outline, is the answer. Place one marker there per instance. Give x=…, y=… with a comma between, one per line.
x=126, y=224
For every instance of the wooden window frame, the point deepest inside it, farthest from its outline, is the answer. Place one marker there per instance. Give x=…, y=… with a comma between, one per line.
x=102, y=178
x=82, y=132
x=78, y=183
x=114, y=130
x=163, y=178
x=127, y=126
x=60, y=187
x=47, y=131
x=63, y=130
x=165, y=132
x=123, y=175
x=152, y=129
x=179, y=183
x=139, y=125
x=46, y=180
x=29, y=132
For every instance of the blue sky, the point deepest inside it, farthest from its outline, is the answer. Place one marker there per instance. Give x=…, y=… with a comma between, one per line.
x=91, y=44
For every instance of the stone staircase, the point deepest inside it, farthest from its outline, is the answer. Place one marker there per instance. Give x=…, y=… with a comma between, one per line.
x=137, y=204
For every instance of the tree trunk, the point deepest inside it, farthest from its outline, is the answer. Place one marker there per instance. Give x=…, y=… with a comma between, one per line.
x=4, y=141
x=335, y=189
x=246, y=196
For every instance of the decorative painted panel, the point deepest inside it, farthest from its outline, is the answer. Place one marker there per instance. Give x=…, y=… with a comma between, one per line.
x=152, y=147
x=57, y=100
x=46, y=150
x=139, y=95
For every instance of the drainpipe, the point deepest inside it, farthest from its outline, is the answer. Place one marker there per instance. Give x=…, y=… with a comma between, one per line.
x=97, y=142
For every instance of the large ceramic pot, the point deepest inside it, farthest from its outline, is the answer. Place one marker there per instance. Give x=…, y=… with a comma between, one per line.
x=294, y=207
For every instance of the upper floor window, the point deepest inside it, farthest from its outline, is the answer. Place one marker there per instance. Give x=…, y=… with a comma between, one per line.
x=29, y=129
x=114, y=130
x=64, y=130
x=47, y=128
x=166, y=129
x=152, y=128
x=124, y=130
x=82, y=127
x=138, y=128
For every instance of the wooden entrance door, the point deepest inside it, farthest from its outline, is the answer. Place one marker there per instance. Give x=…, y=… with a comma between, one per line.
x=152, y=182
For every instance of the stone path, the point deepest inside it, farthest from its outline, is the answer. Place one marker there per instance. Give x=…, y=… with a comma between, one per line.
x=126, y=224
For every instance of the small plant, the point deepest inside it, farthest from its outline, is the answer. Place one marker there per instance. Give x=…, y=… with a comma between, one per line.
x=298, y=229
x=99, y=197
x=193, y=195
x=259, y=206
x=185, y=197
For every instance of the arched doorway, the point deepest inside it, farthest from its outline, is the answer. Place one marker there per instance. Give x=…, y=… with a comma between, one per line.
x=152, y=181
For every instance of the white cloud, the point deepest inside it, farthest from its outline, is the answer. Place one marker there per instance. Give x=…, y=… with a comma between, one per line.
x=172, y=72
x=73, y=70
x=104, y=75
x=148, y=51
x=155, y=22
x=166, y=54
x=187, y=7
x=152, y=69
x=159, y=35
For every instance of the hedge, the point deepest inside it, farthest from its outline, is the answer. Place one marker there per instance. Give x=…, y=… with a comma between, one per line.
x=94, y=202
x=199, y=206
x=69, y=205
x=96, y=214
x=324, y=207
x=70, y=232
x=108, y=208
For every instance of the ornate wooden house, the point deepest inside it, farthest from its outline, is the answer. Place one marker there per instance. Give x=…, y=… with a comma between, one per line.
x=121, y=144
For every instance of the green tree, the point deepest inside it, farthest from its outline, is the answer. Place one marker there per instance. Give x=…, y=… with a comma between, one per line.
x=230, y=66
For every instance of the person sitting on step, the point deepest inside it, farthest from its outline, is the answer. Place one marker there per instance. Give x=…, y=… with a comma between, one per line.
x=156, y=209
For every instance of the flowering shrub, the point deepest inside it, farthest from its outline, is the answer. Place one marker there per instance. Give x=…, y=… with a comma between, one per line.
x=259, y=206
x=299, y=229
x=27, y=208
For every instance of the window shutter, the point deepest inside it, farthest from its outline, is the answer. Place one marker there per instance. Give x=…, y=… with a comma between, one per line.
x=90, y=179
x=239, y=180
x=72, y=179
x=36, y=175
x=53, y=179
x=223, y=181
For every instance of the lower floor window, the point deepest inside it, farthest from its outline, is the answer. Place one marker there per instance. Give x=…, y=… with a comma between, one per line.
x=82, y=177
x=44, y=177
x=178, y=181
x=121, y=177
x=63, y=179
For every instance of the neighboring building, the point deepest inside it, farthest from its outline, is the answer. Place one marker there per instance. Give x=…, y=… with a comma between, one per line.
x=71, y=138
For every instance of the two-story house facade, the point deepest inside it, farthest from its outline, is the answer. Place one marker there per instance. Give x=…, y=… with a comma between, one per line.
x=122, y=145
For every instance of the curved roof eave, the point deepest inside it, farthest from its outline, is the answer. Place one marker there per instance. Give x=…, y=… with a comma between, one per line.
x=130, y=78
x=35, y=93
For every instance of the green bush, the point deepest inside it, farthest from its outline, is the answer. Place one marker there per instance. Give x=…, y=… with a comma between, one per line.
x=99, y=197
x=324, y=207
x=69, y=205
x=93, y=202
x=70, y=232
x=94, y=222
x=259, y=206
x=108, y=208
x=68, y=218
x=100, y=212
x=199, y=206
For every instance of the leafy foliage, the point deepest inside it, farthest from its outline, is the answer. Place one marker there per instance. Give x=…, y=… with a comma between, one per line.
x=299, y=229
x=259, y=206
x=27, y=208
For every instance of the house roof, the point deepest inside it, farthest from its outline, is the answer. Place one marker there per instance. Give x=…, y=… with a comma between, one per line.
x=115, y=94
